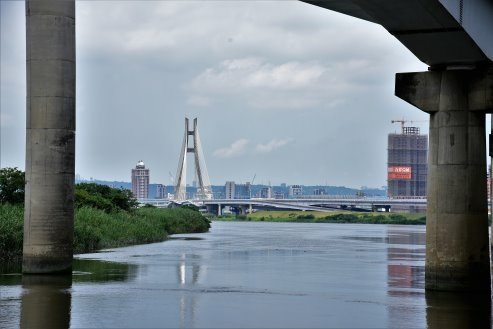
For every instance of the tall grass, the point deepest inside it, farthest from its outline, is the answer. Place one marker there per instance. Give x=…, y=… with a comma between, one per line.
x=95, y=229
x=11, y=230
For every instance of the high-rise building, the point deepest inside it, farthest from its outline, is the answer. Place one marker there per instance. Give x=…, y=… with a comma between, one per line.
x=278, y=195
x=161, y=191
x=295, y=191
x=237, y=191
x=140, y=181
x=407, y=163
x=229, y=190
x=243, y=191
x=266, y=192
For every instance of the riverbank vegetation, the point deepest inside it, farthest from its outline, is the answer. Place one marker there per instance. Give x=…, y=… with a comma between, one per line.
x=95, y=229
x=105, y=217
x=329, y=217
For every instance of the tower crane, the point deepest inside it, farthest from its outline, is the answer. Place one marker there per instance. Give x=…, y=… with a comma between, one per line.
x=253, y=179
x=402, y=122
x=251, y=184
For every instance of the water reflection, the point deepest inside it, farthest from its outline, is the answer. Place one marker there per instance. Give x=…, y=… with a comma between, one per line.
x=405, y=275
x=84, y=270
x=89, y=270
x=458, y=311
x=46, y=301
x=192, y=269
x=188, y=276
x=405, y=279
x=405, y=261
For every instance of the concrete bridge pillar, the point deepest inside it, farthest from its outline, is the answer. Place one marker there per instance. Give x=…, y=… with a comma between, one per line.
x=457, y=244
x=50, y=136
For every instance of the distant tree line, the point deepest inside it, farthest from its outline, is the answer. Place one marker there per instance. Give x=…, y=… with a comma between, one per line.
x=104, y=197
x=12, y=191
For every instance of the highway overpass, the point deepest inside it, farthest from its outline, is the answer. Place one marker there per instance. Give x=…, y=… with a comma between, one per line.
x=305, y=204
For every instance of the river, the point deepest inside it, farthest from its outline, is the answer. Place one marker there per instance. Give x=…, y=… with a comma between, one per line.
x=248, y=275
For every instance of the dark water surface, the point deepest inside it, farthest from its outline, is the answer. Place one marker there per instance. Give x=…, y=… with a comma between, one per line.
x=246, y=275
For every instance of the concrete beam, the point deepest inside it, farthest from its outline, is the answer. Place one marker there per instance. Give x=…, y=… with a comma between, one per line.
x=431, y=90
x=50, y=136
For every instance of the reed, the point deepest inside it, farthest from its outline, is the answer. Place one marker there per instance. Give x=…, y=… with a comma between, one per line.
x=95, y=229
x=11, y=230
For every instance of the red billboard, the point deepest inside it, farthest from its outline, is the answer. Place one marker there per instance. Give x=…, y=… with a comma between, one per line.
x=399, y=172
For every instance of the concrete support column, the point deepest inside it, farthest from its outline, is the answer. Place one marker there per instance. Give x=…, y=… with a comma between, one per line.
x=457, y=252
x=457, y=245
x=50, y=136
x=219, y=212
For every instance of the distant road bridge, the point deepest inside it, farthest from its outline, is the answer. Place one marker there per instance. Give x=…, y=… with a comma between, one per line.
x=305, y=204
x=357, y=204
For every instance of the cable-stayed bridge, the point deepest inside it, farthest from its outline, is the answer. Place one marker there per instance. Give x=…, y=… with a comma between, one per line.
x=191, y=144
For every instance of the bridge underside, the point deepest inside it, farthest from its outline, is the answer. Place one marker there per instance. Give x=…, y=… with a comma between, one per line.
x=439, y=33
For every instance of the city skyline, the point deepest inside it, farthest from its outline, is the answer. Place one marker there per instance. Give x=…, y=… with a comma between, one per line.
x=191, y=185
x=236, y=190
x=296, y=95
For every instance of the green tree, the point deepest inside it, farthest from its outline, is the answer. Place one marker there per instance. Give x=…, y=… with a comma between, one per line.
x=12, y=185
x=104, y=197
x=190, y=206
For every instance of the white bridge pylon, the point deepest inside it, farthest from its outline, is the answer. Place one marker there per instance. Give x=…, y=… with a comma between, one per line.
x=192, y=145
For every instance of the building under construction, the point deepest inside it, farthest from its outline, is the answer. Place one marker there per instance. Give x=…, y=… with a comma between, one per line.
x=407, y=163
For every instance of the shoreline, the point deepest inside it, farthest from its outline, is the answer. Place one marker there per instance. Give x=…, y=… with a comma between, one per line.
x=324, y=217
x=96, y=229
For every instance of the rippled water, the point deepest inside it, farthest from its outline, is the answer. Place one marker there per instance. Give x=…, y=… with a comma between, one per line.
x=245, y=275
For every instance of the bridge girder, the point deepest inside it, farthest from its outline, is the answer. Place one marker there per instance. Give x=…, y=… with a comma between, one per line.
x=438, y=32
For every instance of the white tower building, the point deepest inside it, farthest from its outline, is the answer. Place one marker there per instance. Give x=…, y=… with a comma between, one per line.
x=140, y=181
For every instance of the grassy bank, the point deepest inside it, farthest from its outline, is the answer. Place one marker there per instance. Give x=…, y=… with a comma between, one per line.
x=333, y=217
x=11, y=230
x=95, y=229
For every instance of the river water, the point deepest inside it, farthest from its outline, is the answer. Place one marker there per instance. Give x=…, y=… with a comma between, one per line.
x=248, y=275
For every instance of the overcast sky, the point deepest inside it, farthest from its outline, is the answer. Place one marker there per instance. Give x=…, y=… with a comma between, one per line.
x=285, y=90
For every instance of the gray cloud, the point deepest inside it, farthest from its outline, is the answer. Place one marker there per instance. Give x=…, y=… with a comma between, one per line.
x=262, y=84
x=254, y=73
x=249, y=70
